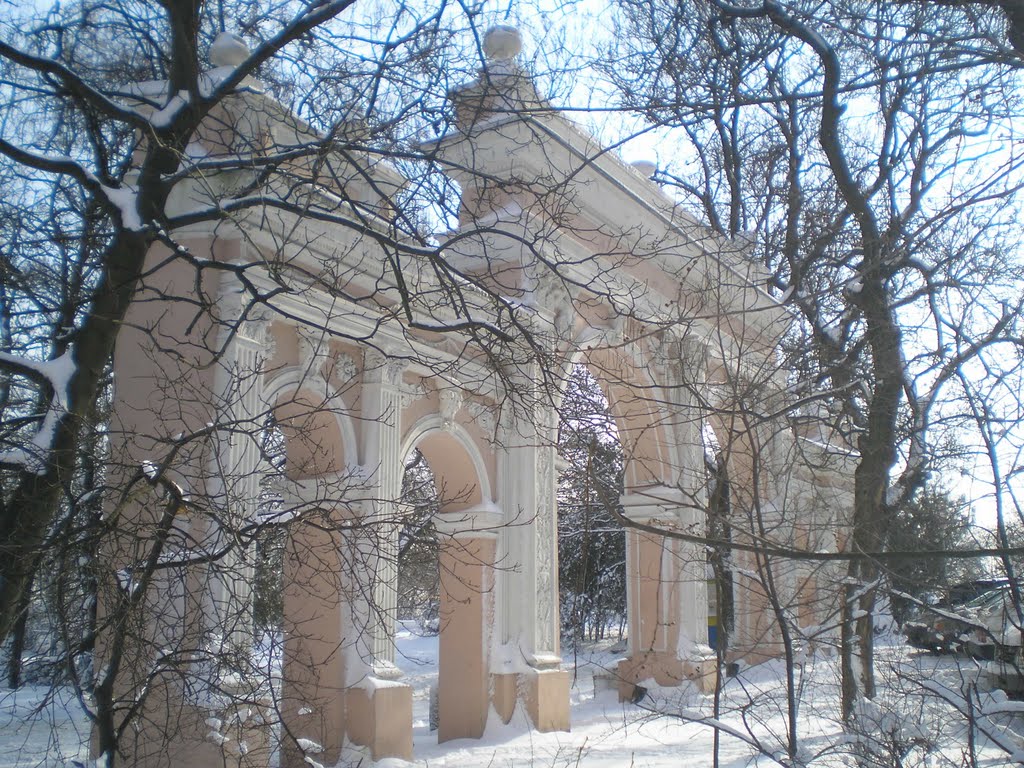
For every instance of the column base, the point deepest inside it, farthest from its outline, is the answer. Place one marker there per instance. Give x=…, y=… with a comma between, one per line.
x=380, y=718
x=236, y=736
x=667, y=670
x=663, y=668
x=546, y=693
x=320, y=718
x=702, y=669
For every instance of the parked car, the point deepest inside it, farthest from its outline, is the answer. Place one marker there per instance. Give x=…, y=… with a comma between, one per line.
x=996, y=633
x=959, y=594
x=1006, y=670
x=943, y=629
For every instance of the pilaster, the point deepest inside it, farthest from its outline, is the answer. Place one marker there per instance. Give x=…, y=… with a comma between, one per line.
x=233, y=482
x=529, y=543
x=382, y=408
x=666, y=592
x=317, y=635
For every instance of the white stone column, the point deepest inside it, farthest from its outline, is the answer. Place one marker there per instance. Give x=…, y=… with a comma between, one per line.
x=527, y=564
x=382, y=407
x=527, y=557
x=685, y=372
x=234, y=477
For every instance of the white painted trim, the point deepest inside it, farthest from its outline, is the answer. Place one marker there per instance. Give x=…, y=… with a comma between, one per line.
x=481, y=521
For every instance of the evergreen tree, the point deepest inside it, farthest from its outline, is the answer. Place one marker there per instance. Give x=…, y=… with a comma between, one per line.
x=419, y=578
x=932, y=520
x=591, y=542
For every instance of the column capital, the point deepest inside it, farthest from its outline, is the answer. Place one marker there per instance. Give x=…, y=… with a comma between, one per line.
x=381, y=368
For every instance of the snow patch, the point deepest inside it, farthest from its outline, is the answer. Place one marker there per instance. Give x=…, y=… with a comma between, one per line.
x=309, y=746
x=126, y=200
x=170, y=111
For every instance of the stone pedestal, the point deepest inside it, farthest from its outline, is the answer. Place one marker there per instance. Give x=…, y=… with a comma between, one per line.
x=667, y=670
x=702, y=669
x=380, y=718
x=546, y=693
x=660, y=667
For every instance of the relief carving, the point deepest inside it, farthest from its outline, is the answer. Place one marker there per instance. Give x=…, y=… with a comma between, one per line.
x=451, y=402
x=484, y=416
x=379, y=368
x=345, y=368
x=411, y=393
x=544, y=542
x=311, y=346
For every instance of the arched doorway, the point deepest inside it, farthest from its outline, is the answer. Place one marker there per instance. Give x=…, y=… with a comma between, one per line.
x=465, y=525
x=418, y=625
x=658, y=424
x=419, y=587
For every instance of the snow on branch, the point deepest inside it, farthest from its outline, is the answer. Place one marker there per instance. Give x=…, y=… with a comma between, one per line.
x=56, y=374
x=124, y=199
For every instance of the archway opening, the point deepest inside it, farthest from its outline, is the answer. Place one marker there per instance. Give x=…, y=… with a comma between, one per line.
x=591, y=540
x=721, y=598
x=419, y=584
x=270, y=538
x=445, y=583
x=419, y=587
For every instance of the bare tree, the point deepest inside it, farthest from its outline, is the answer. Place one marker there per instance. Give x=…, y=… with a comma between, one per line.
x=870, y=153
x=840, y=142
x=108, y=160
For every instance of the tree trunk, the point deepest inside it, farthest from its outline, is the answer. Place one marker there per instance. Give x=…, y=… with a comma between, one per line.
x=18, y=637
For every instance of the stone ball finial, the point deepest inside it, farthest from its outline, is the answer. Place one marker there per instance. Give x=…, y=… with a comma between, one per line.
x=228, y=50
x=646, y=168
x=502, y=42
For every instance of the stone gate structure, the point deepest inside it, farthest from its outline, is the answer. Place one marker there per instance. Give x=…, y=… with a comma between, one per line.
x=318, y=312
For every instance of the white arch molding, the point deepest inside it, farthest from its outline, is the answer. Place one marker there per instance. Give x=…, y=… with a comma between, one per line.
x=637, y=360
x=433, y=423
x=296, y=378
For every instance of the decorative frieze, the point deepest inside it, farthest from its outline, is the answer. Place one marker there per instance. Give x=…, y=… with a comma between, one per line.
x=412, y=393
x=312, y=346
x=546, y=537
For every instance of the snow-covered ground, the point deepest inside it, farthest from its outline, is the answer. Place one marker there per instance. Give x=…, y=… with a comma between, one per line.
x=41, y=727
x=37, y=728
